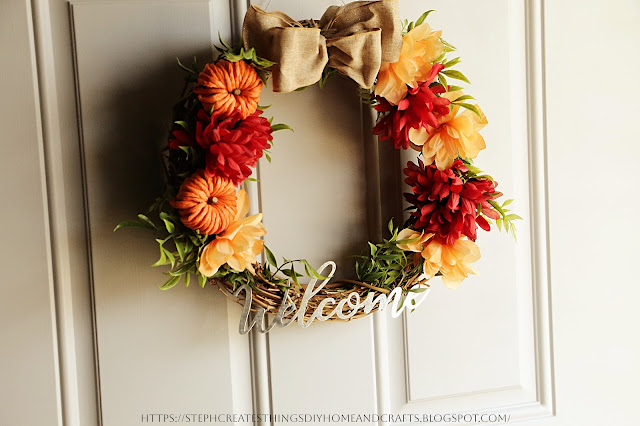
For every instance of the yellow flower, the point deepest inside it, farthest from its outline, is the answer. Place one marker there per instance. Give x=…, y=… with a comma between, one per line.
x=451, y=261
x=410, y=234
x=456, y=135
x=420, y=48
x=238, y=245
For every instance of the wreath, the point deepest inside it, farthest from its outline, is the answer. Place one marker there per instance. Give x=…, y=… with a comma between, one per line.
x=219, y=132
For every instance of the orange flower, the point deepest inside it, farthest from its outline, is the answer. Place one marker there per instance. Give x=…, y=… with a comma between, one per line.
x=451, y=261
x=206, y=203
x=227, y=87
x=456, y=135
x=420, y=48
x=238, y=245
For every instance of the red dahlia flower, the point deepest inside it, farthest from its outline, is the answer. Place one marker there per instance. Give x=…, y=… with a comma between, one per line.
x=447, y=203
x=420, y=108
x=233, y=145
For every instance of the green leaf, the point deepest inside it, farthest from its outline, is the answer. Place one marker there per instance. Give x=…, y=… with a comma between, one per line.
x=374, y=276
x=470, y=107
x=182, y=124
x=463, y=98
x=133, y=224
x=456, y=75
x=442, y=79
x=314, y=273
x=202, y=280
x=326, y=74
x=162, y=260
x=291, y=273
x=451, y=63
x=189, y=70
x=390, y=257
x=162, y=241
x=448, y=45
x=276, y=127
x=181, y=270
x=180, y=247
x=187, y=279
x=423, y=17
x=226, y=46
x=373, y=249
x=390, y=226
x=389, y=280
x=187, y=150
x=147, y=221
x=171, y=282
x=267, y=156
x=262, y=62
x=167, y=222
x=270, y=257
x=170, y=257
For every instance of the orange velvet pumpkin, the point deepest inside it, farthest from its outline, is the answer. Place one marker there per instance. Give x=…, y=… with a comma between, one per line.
x=206, y=203
x=227, y=87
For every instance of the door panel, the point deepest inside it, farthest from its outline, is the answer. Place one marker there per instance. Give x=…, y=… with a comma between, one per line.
x=494, y=350
x=28, y=335
x=158, y=352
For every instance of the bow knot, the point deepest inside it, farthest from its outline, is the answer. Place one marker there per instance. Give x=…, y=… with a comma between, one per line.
x=354, y=39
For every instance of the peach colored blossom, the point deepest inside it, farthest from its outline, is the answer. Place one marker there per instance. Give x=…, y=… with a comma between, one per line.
x=420, y=48
x=457, y=135
x=238, y=245
x=452, y=261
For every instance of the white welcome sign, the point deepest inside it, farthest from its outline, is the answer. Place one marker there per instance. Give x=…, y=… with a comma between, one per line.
x=288, y=313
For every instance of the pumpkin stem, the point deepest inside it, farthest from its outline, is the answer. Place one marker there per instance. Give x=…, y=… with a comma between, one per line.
x=237, y=92
x=212, y=200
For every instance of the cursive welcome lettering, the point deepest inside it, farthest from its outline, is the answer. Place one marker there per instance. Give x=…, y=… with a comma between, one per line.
x=352, y=302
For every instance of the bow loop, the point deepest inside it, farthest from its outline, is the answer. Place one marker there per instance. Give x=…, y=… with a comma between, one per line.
x=354, y=39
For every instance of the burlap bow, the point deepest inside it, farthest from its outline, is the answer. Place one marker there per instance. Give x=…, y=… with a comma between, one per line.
x=353, y=39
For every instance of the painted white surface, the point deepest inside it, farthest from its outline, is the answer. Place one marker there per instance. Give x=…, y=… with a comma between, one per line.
x=483, y=348
x=141, y=330
x=28, y=348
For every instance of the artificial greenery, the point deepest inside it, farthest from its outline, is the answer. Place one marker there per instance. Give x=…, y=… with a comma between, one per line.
x=386, y=263
x=238, y=53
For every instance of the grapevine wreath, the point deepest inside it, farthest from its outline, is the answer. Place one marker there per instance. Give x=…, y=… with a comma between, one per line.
x=218, y=133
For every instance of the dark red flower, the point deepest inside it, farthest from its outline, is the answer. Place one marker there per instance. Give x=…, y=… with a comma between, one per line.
x=233, y=144
x=447, y=203
x=420, y=108
x=180, y=138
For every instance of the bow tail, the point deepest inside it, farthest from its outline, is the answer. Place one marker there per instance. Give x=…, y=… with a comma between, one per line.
x=357, y=56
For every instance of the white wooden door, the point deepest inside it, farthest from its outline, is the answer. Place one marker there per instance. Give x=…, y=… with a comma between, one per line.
x=88, y=339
